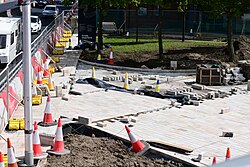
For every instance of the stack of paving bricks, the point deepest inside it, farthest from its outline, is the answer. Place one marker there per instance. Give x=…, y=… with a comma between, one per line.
x=60, y=46
x=119, y=77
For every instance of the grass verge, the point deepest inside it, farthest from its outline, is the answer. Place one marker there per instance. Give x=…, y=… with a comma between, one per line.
x=128, y=45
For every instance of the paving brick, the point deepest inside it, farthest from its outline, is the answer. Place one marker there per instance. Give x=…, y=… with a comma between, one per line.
x=198, y=86
x=106, y=78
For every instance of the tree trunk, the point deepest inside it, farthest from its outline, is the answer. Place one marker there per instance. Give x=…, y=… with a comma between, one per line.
x=100, y=39
x=160, y=34
x=137, y=25
x=183, y=26
x=230, y=47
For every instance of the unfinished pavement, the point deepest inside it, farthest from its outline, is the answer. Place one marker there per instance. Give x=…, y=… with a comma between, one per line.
x=194, y=127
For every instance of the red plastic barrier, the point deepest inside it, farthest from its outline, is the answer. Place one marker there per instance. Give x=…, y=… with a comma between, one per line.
x=35, y=65
x=20, y=75
x=12, y=101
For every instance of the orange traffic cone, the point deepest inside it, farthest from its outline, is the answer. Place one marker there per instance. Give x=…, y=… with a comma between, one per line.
x=40, y=76
x=46, y=72
x=36, y=142
x=228, y=154
x=58, y=148
x=214, y=160
x=38, y=154
x=138, y=146
x=111, y=60
x=11, y=156
x=1, y=160
x=47, y=118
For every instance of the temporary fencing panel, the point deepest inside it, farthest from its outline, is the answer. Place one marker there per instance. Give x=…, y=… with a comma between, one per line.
x=3, y=115
x=12, y=100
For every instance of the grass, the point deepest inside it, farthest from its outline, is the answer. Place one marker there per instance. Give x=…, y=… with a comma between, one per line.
x=128, y=45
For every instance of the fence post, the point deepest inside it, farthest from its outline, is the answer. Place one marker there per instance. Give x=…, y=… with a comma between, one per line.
x=8, y=97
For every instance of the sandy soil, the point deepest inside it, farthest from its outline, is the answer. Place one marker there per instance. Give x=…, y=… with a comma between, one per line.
x=102, y=152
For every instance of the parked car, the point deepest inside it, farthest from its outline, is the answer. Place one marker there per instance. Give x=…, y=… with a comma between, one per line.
x=59, y=2
x=50, y=11
x=42, y=3
x=36, y=24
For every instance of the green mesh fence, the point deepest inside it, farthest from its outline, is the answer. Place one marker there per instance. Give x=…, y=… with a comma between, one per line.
x=147, y=22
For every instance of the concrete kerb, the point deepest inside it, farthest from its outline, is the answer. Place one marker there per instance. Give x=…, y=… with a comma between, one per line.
x=154, y=71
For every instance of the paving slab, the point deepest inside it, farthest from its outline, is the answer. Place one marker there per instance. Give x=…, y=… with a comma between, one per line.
x=196, y=127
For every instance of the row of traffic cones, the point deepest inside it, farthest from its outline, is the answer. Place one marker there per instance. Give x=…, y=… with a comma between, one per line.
x=126, y=84
x=58, y=148
x=141, y=146
x=228, y=156
x=44, y=72
x=110, y=60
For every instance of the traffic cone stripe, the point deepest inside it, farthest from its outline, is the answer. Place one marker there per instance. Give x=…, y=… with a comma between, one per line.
x=111, y=55
x=132, y=137
x=59, y=135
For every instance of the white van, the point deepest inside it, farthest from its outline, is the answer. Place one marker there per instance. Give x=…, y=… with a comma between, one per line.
x=10, y=38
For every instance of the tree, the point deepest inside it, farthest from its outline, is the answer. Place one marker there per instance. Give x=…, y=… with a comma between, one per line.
x=182, y=8
x=230, y=9
x=162, y=4
x=103, y=6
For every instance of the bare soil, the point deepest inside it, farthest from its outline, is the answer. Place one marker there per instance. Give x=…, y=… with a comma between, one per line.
x=102, y=152
x=187, y=58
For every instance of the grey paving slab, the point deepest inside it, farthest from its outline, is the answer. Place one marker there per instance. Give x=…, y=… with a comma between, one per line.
x=198, y=128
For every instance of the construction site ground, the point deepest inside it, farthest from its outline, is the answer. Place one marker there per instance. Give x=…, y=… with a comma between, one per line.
x=196, y=128
x=92, y=151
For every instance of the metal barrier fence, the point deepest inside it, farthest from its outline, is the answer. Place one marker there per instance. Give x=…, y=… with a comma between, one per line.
x=12, y=68
x=198, y=21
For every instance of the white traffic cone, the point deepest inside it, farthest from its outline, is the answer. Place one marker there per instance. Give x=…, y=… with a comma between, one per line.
x=138, y=146
x=40, y=76
x=37, y=149
x=111, y=57
x=58, y=148
x=47, y=118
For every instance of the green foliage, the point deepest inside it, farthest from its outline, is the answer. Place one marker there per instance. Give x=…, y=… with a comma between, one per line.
x=225, y=7
x=182, y=6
